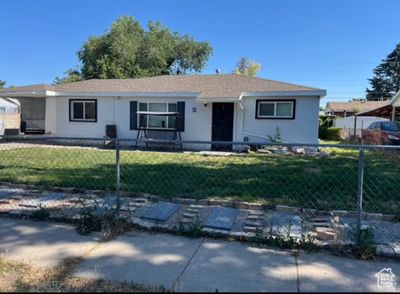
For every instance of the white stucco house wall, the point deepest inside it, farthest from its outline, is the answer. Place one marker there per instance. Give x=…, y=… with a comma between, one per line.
x=210, y=107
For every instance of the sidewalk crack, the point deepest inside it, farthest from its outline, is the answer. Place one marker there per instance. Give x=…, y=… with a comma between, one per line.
x=297, y=271
x=187, y=265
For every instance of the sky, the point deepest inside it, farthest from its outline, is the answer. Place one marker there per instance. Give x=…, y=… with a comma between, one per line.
x=333, y=45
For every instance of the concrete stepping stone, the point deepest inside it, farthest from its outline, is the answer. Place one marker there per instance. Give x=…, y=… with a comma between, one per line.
x=43, y=200
x=255, y=217
x=161, y=211
x=191, y=210
x=190, y=215
x=256, y=212
x=6, y=193
x=253, y=224
x=107, y=203
x=325, y=234
x=221, y=218
x=250, y=229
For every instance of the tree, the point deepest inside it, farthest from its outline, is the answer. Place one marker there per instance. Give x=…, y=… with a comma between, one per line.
x=2, y=84
x=386, y=80
x=127, y=50
x=70, y=76
x=247, y=67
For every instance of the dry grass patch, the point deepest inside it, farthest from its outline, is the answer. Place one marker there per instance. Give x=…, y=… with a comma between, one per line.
x=19, y=277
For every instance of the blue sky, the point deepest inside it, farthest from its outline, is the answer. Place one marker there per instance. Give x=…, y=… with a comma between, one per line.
x=333, y=45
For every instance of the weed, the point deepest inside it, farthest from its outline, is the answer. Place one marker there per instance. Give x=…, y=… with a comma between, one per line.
x=365, y=249
x=88, y=221
x=41, y=214
x=192, y=230
x=113, y=225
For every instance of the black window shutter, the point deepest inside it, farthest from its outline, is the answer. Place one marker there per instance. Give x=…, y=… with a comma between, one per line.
x=181, y=118
x=133, y=115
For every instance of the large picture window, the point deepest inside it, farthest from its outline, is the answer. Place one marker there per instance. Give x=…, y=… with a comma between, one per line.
x=157, y=121
x=275, y=109
x=83, y=110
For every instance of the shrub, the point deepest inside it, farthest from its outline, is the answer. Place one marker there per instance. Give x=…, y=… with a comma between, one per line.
x=41, y=214
x=366, y=248
x=329, y=133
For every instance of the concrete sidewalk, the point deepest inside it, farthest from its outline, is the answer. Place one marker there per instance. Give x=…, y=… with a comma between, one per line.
x=185, y=264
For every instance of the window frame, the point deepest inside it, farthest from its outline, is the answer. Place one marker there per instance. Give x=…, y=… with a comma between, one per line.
x=275, y=102
x=167, y=120
x=72, y=101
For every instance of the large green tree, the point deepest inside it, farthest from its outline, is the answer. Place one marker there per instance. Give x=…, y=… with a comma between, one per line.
x=386, y=80
x=2, y=84
x=247, y=67
x=127, y=50
x=70, y=76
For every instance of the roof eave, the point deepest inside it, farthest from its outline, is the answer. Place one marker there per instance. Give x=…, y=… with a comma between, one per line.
x=297, y=93
x=24, y=94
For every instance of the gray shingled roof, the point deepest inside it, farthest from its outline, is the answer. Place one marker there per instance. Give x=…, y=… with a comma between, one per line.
x=209, y=86
x=354, y=106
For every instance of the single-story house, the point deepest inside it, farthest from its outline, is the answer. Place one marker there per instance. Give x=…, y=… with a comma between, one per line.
x=344, y=109
x=208, y=107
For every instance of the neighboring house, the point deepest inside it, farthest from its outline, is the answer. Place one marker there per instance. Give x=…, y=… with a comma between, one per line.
x=344, y=109
x=8, y=106
x=9, y=115
x=211, y=107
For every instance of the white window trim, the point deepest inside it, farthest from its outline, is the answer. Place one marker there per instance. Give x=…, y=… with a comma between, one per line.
x=72, y=118
x=274, y=103
x=148, y=107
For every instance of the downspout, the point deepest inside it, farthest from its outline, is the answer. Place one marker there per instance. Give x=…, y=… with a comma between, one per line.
x=242, y=122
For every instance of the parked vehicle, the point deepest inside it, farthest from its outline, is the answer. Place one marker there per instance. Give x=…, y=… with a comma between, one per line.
x=382, y=132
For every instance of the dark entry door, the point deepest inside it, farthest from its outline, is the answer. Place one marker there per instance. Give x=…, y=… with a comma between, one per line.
x=222, y=125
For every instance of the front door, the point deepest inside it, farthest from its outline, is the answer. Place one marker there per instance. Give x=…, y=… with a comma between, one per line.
x=222, y=125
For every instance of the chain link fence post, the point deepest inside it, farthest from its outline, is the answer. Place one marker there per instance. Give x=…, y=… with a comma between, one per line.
x=360, y=191
x=118, y=174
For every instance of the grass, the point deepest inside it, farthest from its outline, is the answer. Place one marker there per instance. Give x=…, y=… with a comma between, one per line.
x=20, y=277
x=305, y=181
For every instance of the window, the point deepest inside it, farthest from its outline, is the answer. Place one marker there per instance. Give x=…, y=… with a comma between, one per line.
x=275, y=109
x=83, y=110
x=373, y=126
x=391, y=126
x=157, y=121
x=2, y=110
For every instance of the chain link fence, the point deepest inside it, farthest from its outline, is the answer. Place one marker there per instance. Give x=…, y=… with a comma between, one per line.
x=356, y=178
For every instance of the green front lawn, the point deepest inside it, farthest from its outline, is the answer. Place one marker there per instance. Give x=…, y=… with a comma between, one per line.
x=320, y=182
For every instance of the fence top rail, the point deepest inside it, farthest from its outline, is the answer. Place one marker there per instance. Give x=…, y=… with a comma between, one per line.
x=199, y=142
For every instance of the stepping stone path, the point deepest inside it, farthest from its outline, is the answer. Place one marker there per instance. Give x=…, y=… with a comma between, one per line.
x=191, y=214
x=161, y=211
x=254, y=221
x=216, y=217
x=221, y=218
